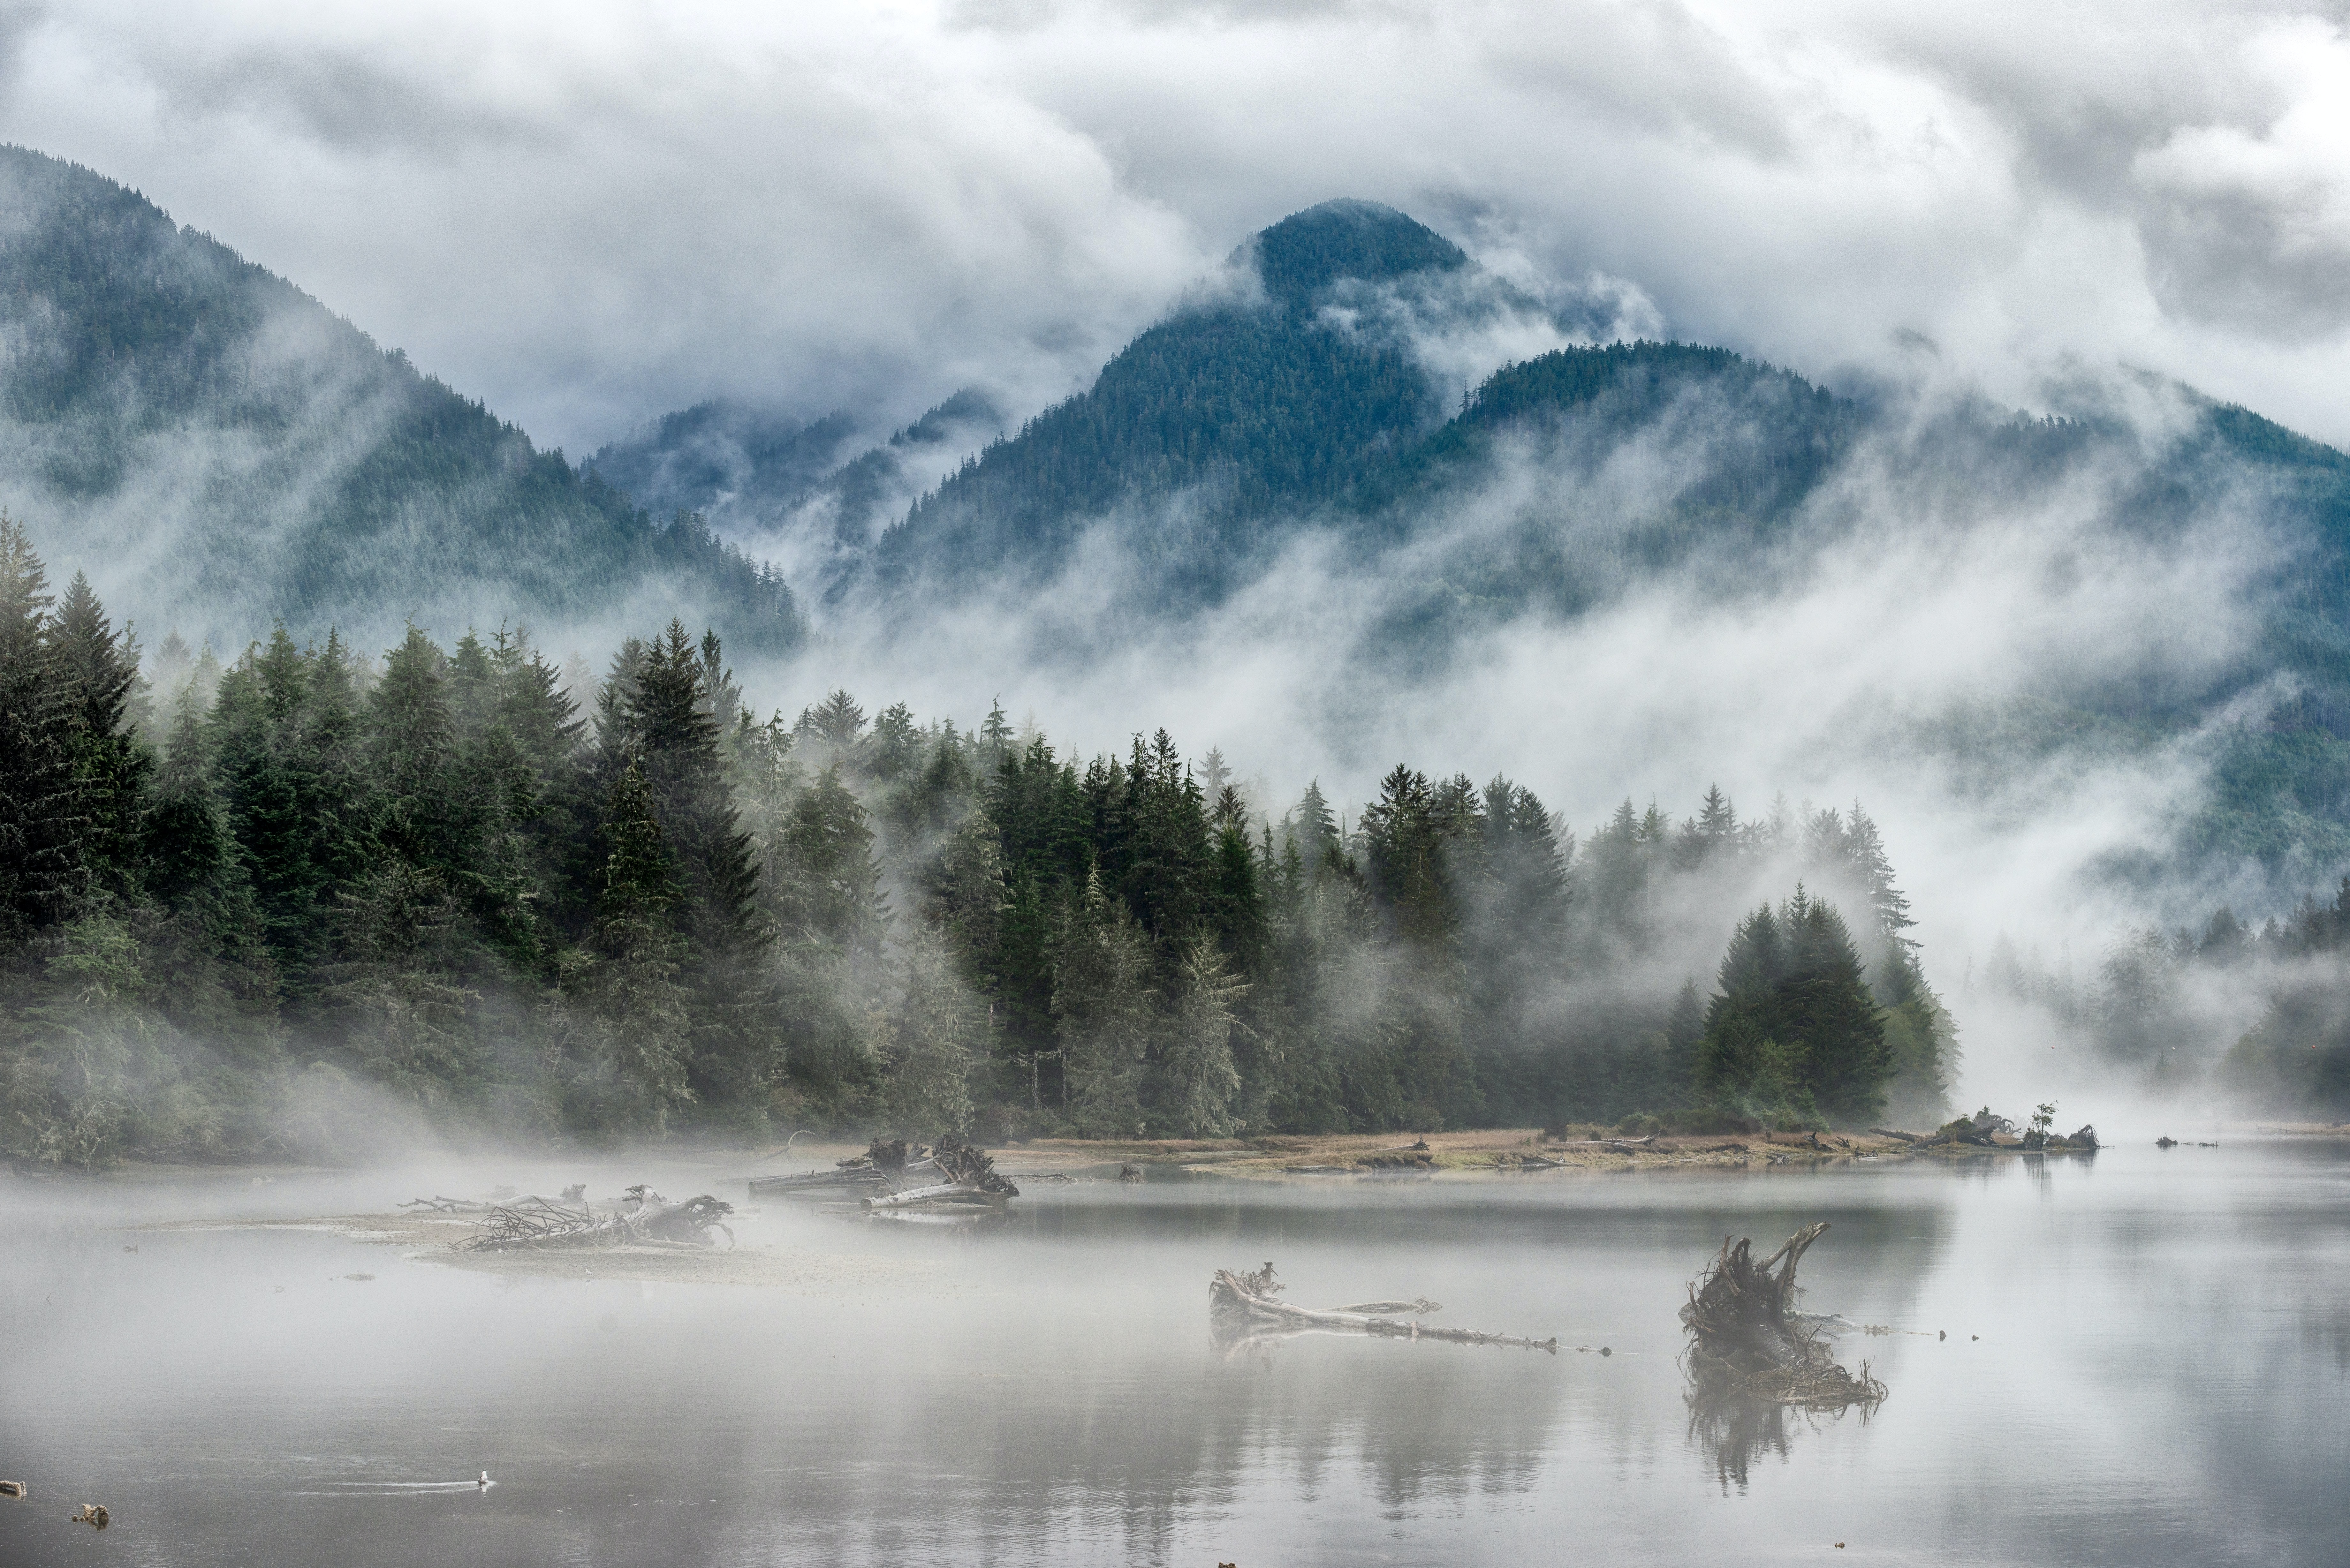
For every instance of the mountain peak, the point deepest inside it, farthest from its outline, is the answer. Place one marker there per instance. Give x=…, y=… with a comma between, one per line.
x=1306, y=252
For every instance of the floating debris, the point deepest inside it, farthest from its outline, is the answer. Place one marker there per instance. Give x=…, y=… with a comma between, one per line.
x=93, y=1514
x=12, y=1489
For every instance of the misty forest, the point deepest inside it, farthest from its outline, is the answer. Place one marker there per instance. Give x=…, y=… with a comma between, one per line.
x=1093, y=782
x=315, y=895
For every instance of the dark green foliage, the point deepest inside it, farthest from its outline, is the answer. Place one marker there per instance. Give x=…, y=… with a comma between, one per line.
x=1247, y=409
x=43, y=830
x=352, y=891
x=1793, y=1034
x=1301, y=258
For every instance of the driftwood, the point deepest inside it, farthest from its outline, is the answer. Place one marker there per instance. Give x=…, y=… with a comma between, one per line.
x=12, y=1489
x=1747, y=1340
x=643, y=1219
x=944, y=1192
x=1242, y=1305
x=93, y=1514
x=852, y=1177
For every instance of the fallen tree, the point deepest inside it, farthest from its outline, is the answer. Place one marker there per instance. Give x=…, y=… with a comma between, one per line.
x=1245, y=1305
x=642, y=1219
x=1746, y=1338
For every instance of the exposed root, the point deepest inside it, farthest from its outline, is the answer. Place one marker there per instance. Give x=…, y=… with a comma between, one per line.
x=1746, y=1338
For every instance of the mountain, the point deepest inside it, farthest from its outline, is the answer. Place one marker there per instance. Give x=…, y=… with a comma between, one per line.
x=1327, y=393
x=223, y=450
x=810, y=496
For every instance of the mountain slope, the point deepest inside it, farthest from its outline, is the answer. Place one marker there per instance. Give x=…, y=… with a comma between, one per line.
x=226, y=451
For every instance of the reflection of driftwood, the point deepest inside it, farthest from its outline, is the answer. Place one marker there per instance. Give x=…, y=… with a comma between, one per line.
x=1747, y=1339
x=1243, y=1305
x=644, y=1219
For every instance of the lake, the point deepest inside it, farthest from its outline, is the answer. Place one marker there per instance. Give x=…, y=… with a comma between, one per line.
x=2146, y=1361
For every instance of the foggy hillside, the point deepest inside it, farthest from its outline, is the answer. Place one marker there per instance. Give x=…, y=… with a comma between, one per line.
x=223, y=452
x=1351, y=390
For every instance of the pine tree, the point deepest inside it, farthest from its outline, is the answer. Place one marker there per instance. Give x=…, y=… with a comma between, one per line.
x=186, y=830
x=1197, y=1078
x=928, y=1053
x=109, y=764
x=1317, y=830
x=1102, y=999
x=412, y=752
x=42, y=824
x=1825, y=998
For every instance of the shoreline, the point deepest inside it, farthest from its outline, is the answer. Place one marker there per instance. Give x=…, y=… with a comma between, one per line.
x=1489, y=1151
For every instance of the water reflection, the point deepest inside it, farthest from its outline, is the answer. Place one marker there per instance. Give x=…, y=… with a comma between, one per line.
x=2159, y=1378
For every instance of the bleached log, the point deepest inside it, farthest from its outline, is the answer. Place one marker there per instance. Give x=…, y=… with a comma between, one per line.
x=949, y=1192
x=1247, y=1300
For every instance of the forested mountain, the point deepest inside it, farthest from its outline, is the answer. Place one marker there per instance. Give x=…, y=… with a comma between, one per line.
x=223, y=452
x=1309, y=404
x=809, y=496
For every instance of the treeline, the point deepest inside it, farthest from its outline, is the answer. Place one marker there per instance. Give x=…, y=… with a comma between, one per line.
x=2153, y=1001
x=272, y=905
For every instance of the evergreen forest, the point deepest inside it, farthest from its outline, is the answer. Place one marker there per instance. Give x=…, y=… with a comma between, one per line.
x=315, y=899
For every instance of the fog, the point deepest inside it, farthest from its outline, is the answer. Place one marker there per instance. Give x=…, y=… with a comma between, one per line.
x=891, y=1391
x=597, y=213
x=1882, y=650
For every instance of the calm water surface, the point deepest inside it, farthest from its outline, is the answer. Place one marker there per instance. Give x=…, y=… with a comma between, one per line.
x=2160, y=1376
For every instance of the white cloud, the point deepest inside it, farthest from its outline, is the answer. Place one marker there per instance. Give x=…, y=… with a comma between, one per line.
x=594, y=213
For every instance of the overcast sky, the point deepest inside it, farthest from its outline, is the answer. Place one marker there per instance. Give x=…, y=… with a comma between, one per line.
x=590, y=213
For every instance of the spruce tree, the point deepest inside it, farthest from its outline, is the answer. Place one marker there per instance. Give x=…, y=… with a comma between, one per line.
x=110, y=763
x=1198, y=1079
x=1102, y=997
x=43, y=826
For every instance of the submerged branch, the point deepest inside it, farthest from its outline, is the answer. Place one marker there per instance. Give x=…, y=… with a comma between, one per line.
x=1241, y=1304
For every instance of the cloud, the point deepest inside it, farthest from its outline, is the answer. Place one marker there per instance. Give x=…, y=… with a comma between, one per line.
x=596, y=213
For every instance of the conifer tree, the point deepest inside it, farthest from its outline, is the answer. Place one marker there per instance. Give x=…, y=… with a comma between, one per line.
x=1102, y=999
x=42, y=826
x=928, y=1045
x=1199, y=1077
x=100, y=667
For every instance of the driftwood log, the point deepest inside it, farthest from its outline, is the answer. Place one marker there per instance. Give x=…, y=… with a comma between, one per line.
x=1241, y=1304
x=1747, y=1340
x=642, y=1219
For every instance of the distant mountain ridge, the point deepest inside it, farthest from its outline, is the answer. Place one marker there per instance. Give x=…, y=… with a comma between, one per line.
x=211, y=442
x=1305, y=398
x=220, y=450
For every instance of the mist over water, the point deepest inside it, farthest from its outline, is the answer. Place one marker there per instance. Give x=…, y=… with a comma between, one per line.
x=1048, y=1391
